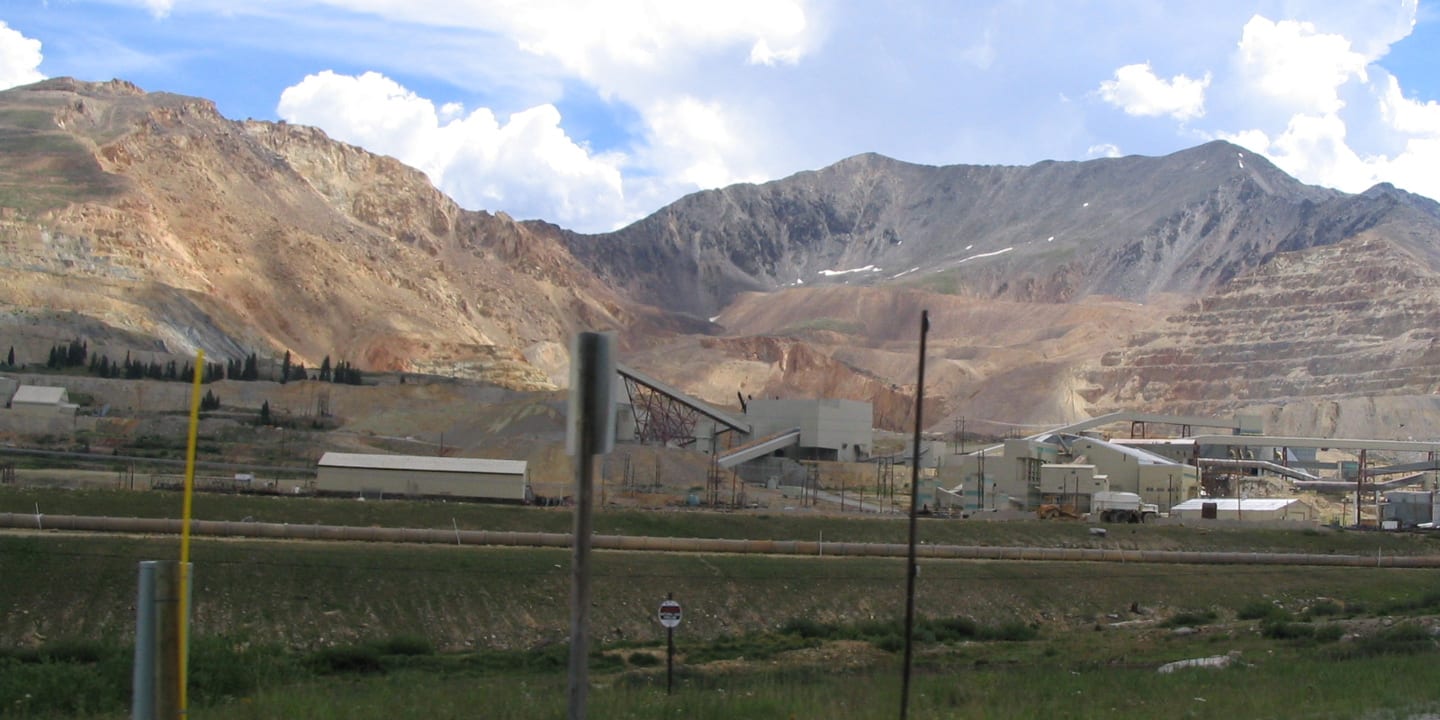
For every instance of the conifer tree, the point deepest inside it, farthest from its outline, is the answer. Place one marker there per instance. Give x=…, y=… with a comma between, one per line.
x=265, y=413
x=325, y=369
x=10, y=359
x=251, y=371
x=285, y=369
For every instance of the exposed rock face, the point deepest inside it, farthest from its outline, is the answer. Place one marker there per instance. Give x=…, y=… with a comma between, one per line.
x=1356, y=319
x=1052, y=232
x=1206, y=281
x=158, y=216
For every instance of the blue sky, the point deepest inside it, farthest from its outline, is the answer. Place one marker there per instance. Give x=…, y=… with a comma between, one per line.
x=594, y=114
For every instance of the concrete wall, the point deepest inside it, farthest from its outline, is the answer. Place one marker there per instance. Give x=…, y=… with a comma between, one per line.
x=370, y=482
x=1410, y=507
x=1071, y=483
x=1163, y=485
x=1168, y=485
x=843, y=426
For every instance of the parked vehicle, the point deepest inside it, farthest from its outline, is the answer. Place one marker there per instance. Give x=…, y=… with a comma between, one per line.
x=1052, y=511
x=1122, y=507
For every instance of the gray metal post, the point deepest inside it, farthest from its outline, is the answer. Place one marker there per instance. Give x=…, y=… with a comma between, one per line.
x=590, y=432
x=142, y=702
x=155, y=681
x=167, y=640
x=669, y=654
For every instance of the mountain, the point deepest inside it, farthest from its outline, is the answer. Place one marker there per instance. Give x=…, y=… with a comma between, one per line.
x=1050, y=232
x=1205, y=281
x=153, y=217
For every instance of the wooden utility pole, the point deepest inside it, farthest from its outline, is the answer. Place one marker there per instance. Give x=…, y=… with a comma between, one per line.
x=910, y=569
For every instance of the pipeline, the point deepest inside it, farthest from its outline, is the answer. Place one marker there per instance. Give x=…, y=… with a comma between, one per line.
x=505, y=538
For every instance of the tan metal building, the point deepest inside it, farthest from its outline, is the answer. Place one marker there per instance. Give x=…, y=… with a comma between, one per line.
x=423, y=476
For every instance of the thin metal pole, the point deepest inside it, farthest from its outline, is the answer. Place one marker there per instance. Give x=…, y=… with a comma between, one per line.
x=910, y=569
x=169, y=656
x=590, y=352
x=142, y=684
x=669, y=653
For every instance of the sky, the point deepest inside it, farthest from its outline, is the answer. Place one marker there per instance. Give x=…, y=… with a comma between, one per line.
x=594, y=114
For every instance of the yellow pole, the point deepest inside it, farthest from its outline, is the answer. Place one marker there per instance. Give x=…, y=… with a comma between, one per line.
x=185, y=532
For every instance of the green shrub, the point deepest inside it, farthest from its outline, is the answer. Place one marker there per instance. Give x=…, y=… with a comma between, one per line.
x=65, y=678
x=809, y=628
x=1262, y=610
x=1013, y=631
x=1284, y=630
x=955, y=629
x=406, y=645
x=74, y=651
x=1406, y=639
x=359, y=659
x=1329, y=633
x=641, y=659
x=890, y=643
x=1325, y=608
x=222, y=667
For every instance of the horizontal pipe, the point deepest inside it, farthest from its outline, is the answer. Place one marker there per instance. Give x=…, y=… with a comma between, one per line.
x=286, y=531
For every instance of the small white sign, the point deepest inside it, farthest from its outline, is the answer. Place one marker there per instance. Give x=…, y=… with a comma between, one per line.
x=669, y=613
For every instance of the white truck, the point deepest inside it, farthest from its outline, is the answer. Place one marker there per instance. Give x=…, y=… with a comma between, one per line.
x=1122, y=507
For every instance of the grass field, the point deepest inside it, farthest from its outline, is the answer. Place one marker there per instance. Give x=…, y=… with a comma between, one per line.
x=1355, y=672
x=358, y=630
x=681, y=523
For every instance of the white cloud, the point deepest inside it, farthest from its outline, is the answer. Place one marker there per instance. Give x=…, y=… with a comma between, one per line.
x=1253, y=140
x=527, y=166
x=160, y=8
x=1108, y=150
x=1291, y=64
x=1407, y=115
x=692, y=142
x=601, y=41
x=645, y=56
x=1295, y=68
x=1138, y=91
x=19, y=58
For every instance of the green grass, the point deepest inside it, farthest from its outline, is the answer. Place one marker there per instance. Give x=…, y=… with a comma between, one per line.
x=775, y=526
x=1077, y=679
x=308, y=594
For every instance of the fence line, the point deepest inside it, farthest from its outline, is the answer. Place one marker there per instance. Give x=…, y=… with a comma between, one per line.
x=286, y=531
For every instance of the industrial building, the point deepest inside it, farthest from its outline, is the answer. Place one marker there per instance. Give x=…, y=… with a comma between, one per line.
x=415, y=476
x=42, y=401
x=36, y=409
x=764, y=443
x=1066, y=469
x=831, y=430
x=1246, y=509
x=1411, y=508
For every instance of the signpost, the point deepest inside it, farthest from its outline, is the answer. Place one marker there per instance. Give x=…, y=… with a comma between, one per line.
x=669, y=617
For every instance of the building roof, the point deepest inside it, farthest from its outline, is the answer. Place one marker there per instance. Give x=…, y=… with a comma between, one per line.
x=423, y=463
x=1142, y=457
x=36, y=395
x=1244, y=504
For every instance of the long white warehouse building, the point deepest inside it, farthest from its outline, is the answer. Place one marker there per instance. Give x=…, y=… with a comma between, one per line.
x=423, y=476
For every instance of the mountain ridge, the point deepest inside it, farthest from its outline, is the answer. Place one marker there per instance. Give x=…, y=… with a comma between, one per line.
x=1058, y=290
